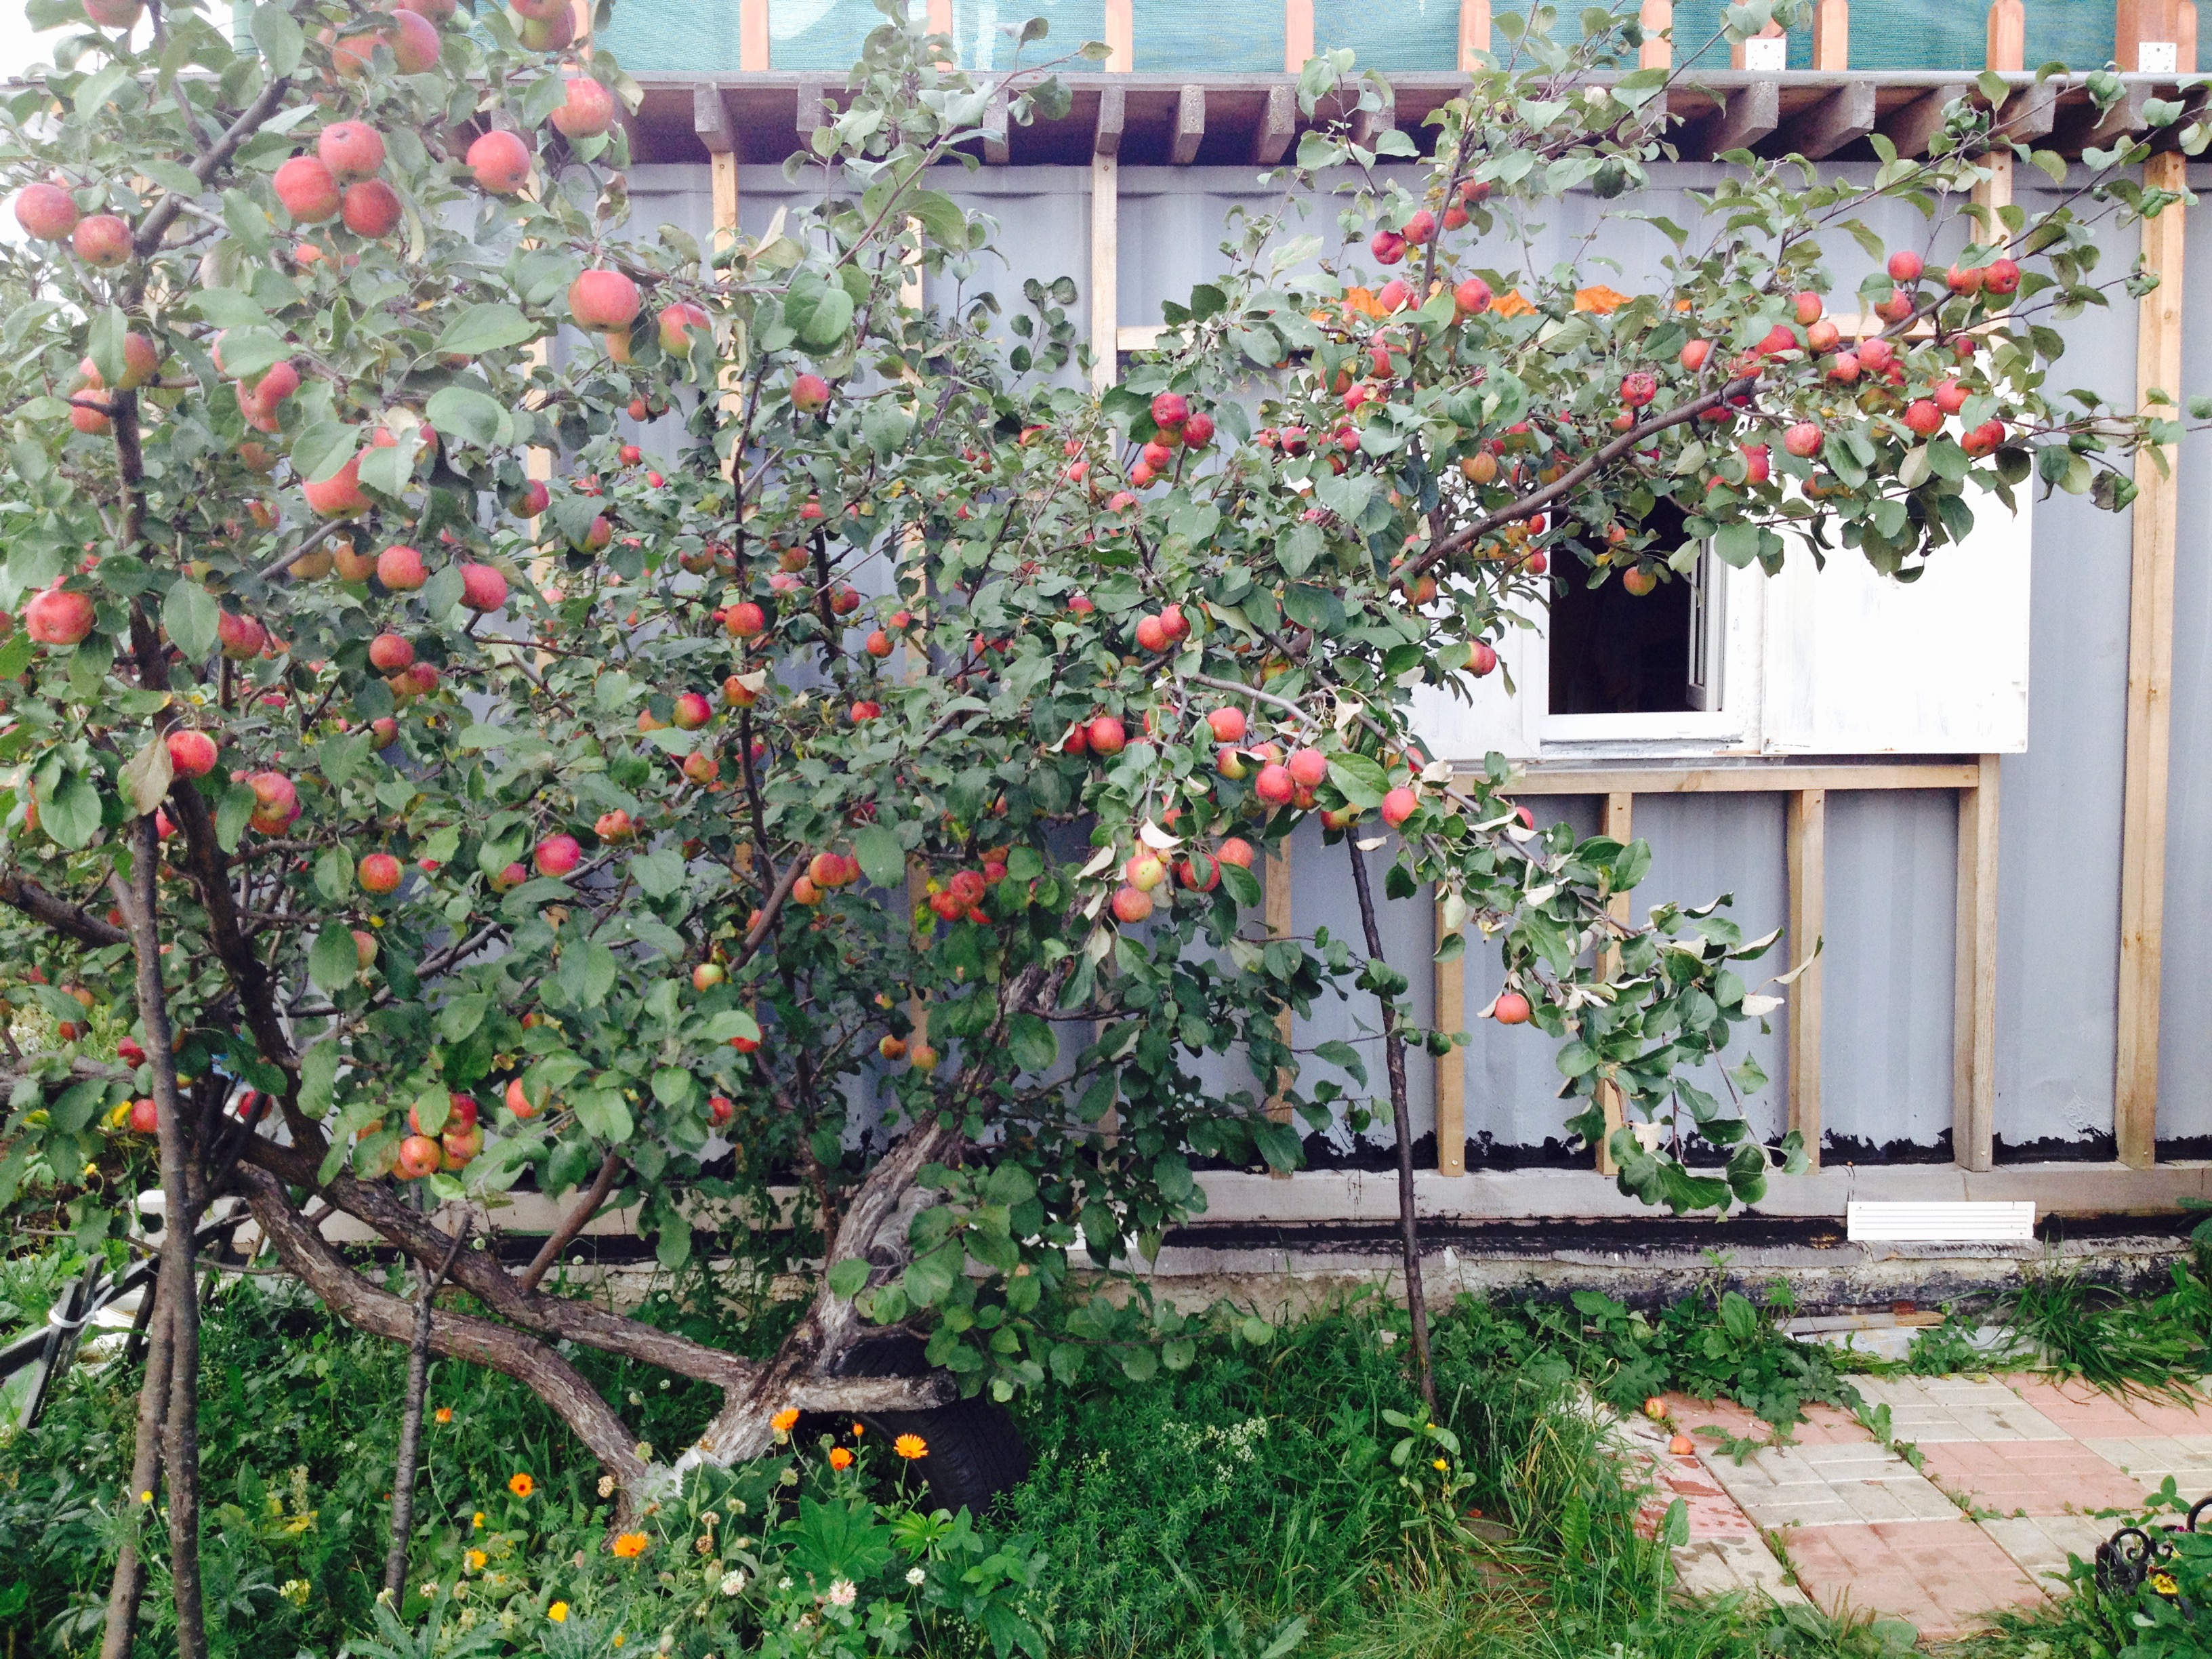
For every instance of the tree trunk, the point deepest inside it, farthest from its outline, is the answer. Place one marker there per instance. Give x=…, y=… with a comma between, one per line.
x=410, y=1422
x=136, y=898
x=129, y=1584
x=1394, y=1055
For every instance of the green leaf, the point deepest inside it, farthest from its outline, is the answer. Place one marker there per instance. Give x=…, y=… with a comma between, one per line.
x=1363, y=781
x=603, y=1113
x=189, y=613
x=72, y=815
x=660, y=872
x=462, y=411
x=729, y=1023
x=280, y=38
x=1031, y=1043
x=230, y=816
x=460, y=1017
x=482, y=329
x=145, y=780
x=1316, y=608
x=322, y=448
x=319, y=1072
x=105, y=342
x=883, y=860
x=674, y=1087
x=334, y=874
x=333, y=962
x=1737, y=544
x=849, y=1276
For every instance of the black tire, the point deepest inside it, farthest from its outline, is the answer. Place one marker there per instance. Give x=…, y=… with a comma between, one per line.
x=975, y=1452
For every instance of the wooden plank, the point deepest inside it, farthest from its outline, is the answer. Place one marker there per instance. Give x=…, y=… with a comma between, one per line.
x=1844, y=116
x=1370, y=122
x=1742, y=779
x=1807, y=837
x=2124, y=121
x=1121, y=36
x=997, y=138
x=1278, y=125
x=1473, y=31
x=940, y=17
x=1450, y=984
x=2150, y=688
x=1620, y=825
x=1298, y=34
x=1113, y=118
x=1656, y=16
x=1974, y=994
x=1138, y=336
x=1832, y=35
x=2136, y=24
x=752, y=35
x=1105, y=270
x=722, y=182
x=1189, y=127
x=710, y=120
x=2030, y=113
x=1911, y=127
x=1275, y=900
x=2185, y=38
x=811, y=113
x=1751, y=112
x=2007, y=35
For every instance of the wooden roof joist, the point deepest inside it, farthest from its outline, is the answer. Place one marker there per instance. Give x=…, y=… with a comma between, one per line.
x=1244, y=120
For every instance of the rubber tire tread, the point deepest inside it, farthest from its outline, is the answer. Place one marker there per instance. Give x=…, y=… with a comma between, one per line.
x=975, y=1452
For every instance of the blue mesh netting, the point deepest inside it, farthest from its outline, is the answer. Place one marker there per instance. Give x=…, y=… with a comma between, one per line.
x=1243, y=36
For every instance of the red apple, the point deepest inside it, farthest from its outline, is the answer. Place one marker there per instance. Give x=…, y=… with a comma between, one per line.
x=103, y=241
x=1822, y=337
x=554, y=33
x=350, y=149
x=389, y=652
x=510, y=878
x=1274, y=783
x=588, y=111
x=145, y=1117
x=47, y=213
x=241, y=636
x=1106, y=735
x=2001, y=277
x=1803, y=439
x=1638, y=389
x=308, y=190
x=603, y=300
x=371, y=209
x=1399, y=805
x=1876, y=354
x=340, y=494
x=1693, y=356
x=418, y=1156
x=1235, y=851
x=1905, y=266
x=191, y=753
x=692, y=712
x=518, y=1100
x=1481, y=658
x=1511, y=1008
x=1307, y=767
x=482, y=587
x=501, y=161
x=1965, y=279
x=1472, y=297
x=1388, y=246
x=1153, y=634
x=556, y=855
x=400, y=568
x=1845, y=367
x=1806, y=308
x=1131, y=904
x=1950, y=397
x=1922, y=416
x=1227, y=725
x=379, y=873
x=58, y=615
x=1420, y=228
x=1170, y=410
x=745, y=620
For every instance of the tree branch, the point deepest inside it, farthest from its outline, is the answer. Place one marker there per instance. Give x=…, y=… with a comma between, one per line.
x=21, y=893
x=573, y=1223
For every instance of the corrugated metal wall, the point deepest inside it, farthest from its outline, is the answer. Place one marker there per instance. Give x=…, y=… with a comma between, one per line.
x=1892, y=855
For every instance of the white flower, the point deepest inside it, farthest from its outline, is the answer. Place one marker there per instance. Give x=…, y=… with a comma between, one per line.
x=784, y=1583
x=843, y=1592
x=606, y=1485
x=734, y=1583
x=916, y=1575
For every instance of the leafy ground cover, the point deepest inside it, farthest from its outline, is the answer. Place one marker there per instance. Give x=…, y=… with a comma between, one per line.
x=1278, y=1496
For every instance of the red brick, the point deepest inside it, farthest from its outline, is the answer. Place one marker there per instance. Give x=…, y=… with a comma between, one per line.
x=2089, y=1413
x=2039, y=1477
x=1945, y=1577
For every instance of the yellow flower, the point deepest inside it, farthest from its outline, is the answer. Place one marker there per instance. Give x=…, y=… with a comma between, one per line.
x=521, y=1485
x=840, y=1458
x=476, y=1560
x=444, y=1413
x=785, y=1420
x=2164, y=1584
x=628, y=1546
x=477, y=1521
x=911, y=1446
x=558, y=1613
x=1441, y=1463
x=618, y=1639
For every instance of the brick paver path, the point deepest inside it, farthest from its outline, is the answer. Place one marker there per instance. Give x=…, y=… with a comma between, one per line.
x=2013, y=1470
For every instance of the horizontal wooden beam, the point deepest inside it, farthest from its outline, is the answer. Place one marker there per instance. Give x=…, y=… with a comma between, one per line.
x=1278, y=125
x=1752, y=112
x=1189, y=127
x=1844, y=116
x=1743, y=780
x=1912, y=127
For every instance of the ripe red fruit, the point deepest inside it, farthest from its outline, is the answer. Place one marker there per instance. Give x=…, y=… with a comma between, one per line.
x=1153, y=634
x=1845, y=367
x=1896, y=307
x=1638, y=389
x=745, y=620
x=418, y=1156
x=1778, y=339
x=1950, y=397
x=1186, y=872
x=1307, y=767
x=1394, y=296
x=588, y=111
x=389, y=652
x=518, y=1099
x=1511, y=1008
x=1822, y=337
x=1227, y=725
x=191, y=753
x=371, y=209
x=1472, y=297
x=878, y=644
x=339, y=493
x=1756, y=469
x=1399, y=805
x=1803, y=439
x=1963, y=279
x=242, y=637
x=308, y=189
x=1924, y=417
x=2001, y=277
x=501, y=161
x=47, y=213
x=1236, y=851
x=1905, y=266
x=1274, y=785
x=400, y=568
x=1177, y=625
x=1876, y=354
x=1106, y=735
x=379, y=873
x=1806, y=308
x=145, y=1117
x=1420, y=228
x=1170, y=410
x=1131, y=904
x=1693, y=356
x=102, y=242
x=1481, y=658
x=1198, y=430
x=1983, y=439
x=350, y=149
x=482, y=587
x=692, y=712
x=556, y=855
x=809, y=394
x=1388, y=246
x=58, y=617
x=603, y=301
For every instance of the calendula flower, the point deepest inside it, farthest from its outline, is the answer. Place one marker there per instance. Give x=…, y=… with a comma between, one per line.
x=628, y=1546
x=1601, y=300
x=296, y=1591
x=477, y=1521
x=843, y=1592
x=444, y=1413
x=734, y=1583
x=785, y=1420
x=859, y=1429
x=916, y=1575
x=520, y=1485
x=911, y=1446
x=1441, y=1463
x=558, y=1613
x=1513, y=304
x=618, y=1639
x=840, y=1458
x=476, y=1558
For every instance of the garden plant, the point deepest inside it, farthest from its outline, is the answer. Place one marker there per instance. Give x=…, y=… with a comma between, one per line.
x=840, y=833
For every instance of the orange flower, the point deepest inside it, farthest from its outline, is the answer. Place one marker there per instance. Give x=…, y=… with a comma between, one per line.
x=521, y=1485
x=840, y=1458
x=628, y=1546
x=1512, y=304
x=444, y=1413
x=859, y=1429
x=1601, y=300
x=1363, y=301
x=911, y=1446
x=785, y=1420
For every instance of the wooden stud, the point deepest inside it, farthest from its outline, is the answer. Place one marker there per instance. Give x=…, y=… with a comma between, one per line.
x=2089, y=130
x=2137, y=22
x=1278, y=125
x=1656, y=53
x=722, y=179
x=1367, y=123
x=752, y=35
x=998, y=146
x=2007, y=35
x=1844, y=116
x=1105, y=270
x=1112, y=117
x=1620, y=826
x=1473, y=31
x=2150, y=686
x=1450, y=984
x=1808, y=903
x=710, y=120
x=1120, y=36
x=2030, y=113
x=1275, y=900
x=1974, y=996
x=940, y=17
x=1831, y=35
x=2185, y=38
x=1752, y=112
x=1190, y=125
x=811, y=113
x=1298, y=34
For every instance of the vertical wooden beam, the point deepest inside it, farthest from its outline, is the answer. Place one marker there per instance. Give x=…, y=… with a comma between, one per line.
x=1620, y=826
x=940, y=17
x=1275, y=898
x=2140, y=23
x=1120, y=36
x=2007, y=35
x=2185, y=38
x=1450, y=986
x=1974, y=996
x=1656, y=53
x=1298, y=34
x=1831, y=35
x=752, y=34
x=1809, y=908
x=1105, y=271
x=2150, y=688
x=1473, y=31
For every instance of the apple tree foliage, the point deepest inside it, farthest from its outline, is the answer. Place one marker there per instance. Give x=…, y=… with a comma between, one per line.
x=843, y=835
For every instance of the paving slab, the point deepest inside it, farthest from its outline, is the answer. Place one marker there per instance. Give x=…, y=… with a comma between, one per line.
x=2028, y=1477
x=2088, y=1413
x=1931, y=1410
x=2150, y=1458
x=1824, y=1425
x=2040, y=1544
x=1830, y=1485
x=1944, y=1578
x=1729, y=1566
